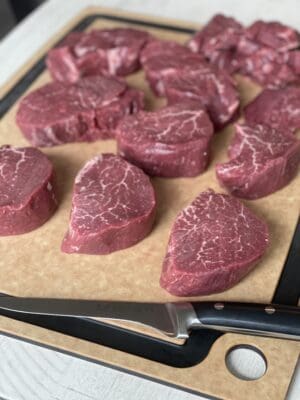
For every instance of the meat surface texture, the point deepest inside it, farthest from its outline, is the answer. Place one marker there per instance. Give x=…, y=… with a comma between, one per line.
x=27, y=195
x=209, y=88
x=171, y=142
x=279, y=108
x=113, y=207
x=98, y=52
x=214, y=243
x=218, y=41
x=274, y=34
x=162, y=58
x=87, y=111
x=263, y=160
x=264, y=54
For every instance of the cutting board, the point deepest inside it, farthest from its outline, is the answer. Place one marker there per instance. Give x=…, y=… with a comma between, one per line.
x=33, y=265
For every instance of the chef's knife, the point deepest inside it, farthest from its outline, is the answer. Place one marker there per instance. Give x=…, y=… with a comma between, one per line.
x=173, y=319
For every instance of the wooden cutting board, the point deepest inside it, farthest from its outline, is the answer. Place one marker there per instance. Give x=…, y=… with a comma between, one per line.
x=33, y=265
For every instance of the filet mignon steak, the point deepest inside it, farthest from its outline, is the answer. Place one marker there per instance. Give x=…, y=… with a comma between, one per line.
x=171, y=142
x=263, y=160
x=161, y=58
x=213, y=244
x=59, y=113
x=211, y=89
x=27, y=196
x=113, y=207
x=98, y=52
x=279, y=108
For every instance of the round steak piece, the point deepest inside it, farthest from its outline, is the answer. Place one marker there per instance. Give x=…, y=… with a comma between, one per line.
x=27, y=194
x=86, y=111
x=171, y=142
x=263, y=160
x=113, y=207
x=214, y=243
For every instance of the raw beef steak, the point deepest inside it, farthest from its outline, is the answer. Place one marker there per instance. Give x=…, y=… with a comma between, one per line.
x=98, y=52
x=210, y=88
x=161, y=58
x=27, y=197
x=113, y=207
x=267, y=67
x=279, y=108
x=218, y=41
x=263, y=160
x=263, y=54
x=89, y=110
x=213, y=244
x=171, y=142
x=274, y=34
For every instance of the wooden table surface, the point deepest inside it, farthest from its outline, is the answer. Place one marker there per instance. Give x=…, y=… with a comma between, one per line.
x=30, y=372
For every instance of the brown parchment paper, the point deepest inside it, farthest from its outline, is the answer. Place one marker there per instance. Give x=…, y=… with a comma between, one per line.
x=33, y=265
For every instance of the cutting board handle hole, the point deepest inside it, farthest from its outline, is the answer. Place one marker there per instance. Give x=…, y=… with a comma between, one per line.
x=246, y=362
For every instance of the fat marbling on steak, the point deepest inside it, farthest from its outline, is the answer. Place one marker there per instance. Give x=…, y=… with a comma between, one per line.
x=173, y=141
x=262, y=160
x=98, y=52
x=89, y=110
x=279, y=108
x=214, y=243
x=113, y=207
x=264, y=54
x=160, y=58
x=212, y=89
x=27, y=196
x=218, y=41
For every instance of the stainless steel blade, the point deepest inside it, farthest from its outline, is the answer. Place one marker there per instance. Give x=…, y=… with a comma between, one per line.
x=173, y=319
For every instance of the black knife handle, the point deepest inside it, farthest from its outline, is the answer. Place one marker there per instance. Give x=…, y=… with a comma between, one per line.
x=254, y=319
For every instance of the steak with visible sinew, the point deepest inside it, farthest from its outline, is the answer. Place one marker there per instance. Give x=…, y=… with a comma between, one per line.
x=89, y=110
x=98, y=52
x=213, y=244
x=171, y=142
x=279, y=108
x=161, y=58
x=262, y=160
x=211, y=89
x=27, y=197
x=113, y=207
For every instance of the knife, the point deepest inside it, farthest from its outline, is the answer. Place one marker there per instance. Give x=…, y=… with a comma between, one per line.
x=172, y=319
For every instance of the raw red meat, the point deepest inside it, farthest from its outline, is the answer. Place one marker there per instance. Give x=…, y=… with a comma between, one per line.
x=161, y=58
x=294, y=61
x=217, y=41
x=113, y=207
x=267, y=67
x=89, y=110
x=274, y=34
x=263, y=160
x=171, y=142
x=263, y=54
x=98, y=52
x=279, y=108
x=27, y=196
x=210, y=88
x=213, y=244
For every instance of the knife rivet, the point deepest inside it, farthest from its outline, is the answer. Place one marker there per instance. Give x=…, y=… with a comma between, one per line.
x=219, y=306
x=270, y=310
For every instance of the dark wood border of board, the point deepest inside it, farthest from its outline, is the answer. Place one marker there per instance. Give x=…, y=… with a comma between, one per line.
x=197, y=347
